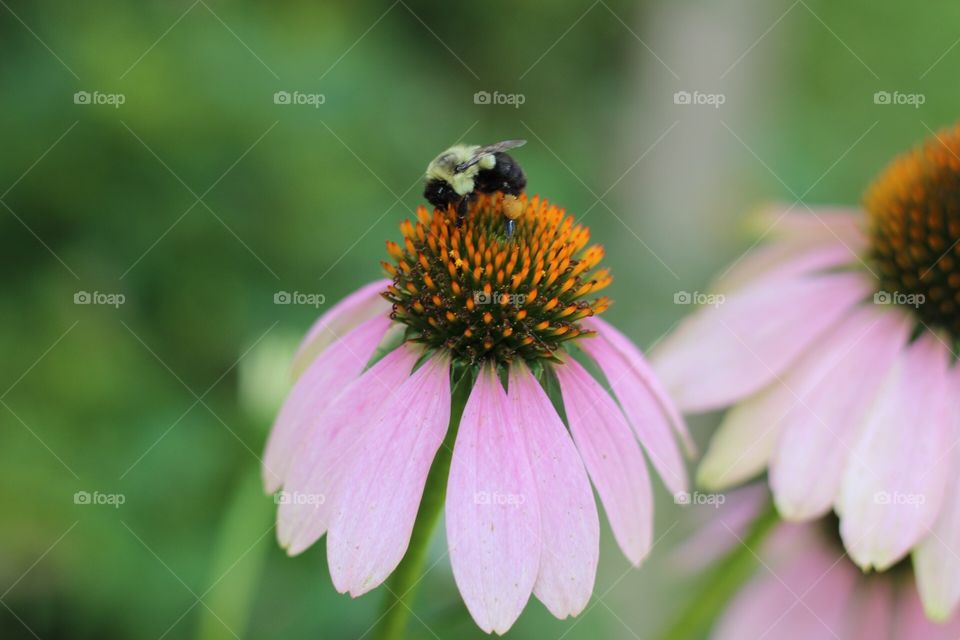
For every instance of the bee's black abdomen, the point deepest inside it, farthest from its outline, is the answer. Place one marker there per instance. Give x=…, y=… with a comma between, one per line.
x=506, y=176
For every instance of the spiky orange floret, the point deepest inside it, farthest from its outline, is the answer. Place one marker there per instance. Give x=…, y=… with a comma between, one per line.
x=914, y=223
x=481, y=295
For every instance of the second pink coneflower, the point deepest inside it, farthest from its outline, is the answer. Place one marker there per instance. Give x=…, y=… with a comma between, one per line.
x=836, y=347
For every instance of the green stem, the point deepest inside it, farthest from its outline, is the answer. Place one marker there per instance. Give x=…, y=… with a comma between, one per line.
x=402, y=585
x=722, y=582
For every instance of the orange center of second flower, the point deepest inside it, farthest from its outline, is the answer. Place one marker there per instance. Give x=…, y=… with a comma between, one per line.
x=913, y=211
x=471, y=289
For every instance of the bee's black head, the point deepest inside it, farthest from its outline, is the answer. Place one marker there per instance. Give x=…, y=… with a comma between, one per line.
x=439, y=193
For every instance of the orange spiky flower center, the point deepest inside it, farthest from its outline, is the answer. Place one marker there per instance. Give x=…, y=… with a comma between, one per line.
x=483, y=296
x=913, y=213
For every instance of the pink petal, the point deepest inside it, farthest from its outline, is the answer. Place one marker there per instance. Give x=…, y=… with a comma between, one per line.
x=612, y=456
x=783, y=260
x=569, y=525
x=894, y=483
x=320, y=462
x=823, y=423
x=723, y=353
x=936, y=562
x=643, y=412
x=799, y=225
x=492, y=509
x=644, y=372
x=380, y=494
x=743, y=444
x=361, y=305
x=803, y=598
x=340, y=363
x=912, y=624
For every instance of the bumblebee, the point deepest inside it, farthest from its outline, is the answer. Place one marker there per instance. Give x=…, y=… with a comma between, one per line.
x=455, y=177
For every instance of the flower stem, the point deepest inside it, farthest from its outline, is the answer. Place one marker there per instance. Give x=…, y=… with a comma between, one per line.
x=402, y=585
x=722, y=581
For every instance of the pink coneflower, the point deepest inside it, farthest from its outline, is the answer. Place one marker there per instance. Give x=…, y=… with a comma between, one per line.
x=375, y=418
x=804, y=587
x=835, y=344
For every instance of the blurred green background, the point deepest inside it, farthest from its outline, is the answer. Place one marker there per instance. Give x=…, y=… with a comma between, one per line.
x=199, y=198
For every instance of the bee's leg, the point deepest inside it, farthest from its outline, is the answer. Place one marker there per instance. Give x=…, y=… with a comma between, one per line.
x=461, y=211
x=511, y=225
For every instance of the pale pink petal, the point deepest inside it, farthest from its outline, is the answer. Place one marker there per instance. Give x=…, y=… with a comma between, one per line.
x=612, y=457
x=726, y=352
x=492, y=509
x=743, y=444
x=795, y=224
x=911, y=623
x=936, y=561
x=821, y=428
x=804, y=597
x=569, y=525
x=642, y=370
x=361, y=305
x=307, y=503
x=342, y=362
x=782, y=260
x=380, y=493
x=894, y=482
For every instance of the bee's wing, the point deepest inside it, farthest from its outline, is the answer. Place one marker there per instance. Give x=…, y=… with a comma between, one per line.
x=488, y=150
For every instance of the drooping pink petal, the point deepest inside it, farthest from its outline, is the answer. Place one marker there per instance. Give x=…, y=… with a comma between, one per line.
x=492, y=509
x=643, y=412
x=936, y=561
x=912, y=623
x=645, y=373
x=340, y=363
x=361, y=305
x=894, y=482
x=743, y=444
x=822, y=426
x=379, y=497
x=612, y=457
x=804, y=597
x=322, y=458
x=569, y=525
x=726, y=352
